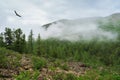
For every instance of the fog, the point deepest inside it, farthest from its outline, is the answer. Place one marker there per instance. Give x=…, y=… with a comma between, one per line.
x=72, y=30
x=79, y=29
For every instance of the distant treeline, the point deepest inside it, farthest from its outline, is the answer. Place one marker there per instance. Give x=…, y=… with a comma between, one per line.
x=94, y=51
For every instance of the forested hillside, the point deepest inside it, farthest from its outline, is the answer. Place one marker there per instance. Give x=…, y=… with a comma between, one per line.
x=59, y=59
x=59, y=39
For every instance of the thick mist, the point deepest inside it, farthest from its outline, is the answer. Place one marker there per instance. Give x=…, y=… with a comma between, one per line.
x=73, y=30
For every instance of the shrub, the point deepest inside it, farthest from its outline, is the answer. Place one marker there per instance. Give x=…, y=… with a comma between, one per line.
x=57, y=63
x=59, y=76
x=38, y=63
x=27, y=75
x=9, y=59
x=70, y=77
x=64, y=67
x=3, y=58
x=116, y=77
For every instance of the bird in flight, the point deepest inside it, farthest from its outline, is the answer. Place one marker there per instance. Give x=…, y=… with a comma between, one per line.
x=17, y=14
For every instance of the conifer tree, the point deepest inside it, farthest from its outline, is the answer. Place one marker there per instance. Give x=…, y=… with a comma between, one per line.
x=30, y=42
x=1, y=40
x=19, y=43
x=24, y=45
x=38, y=45
x=8, y=38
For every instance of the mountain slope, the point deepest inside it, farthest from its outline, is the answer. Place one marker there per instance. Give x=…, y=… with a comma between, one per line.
x=85, y=28
x=115, y=17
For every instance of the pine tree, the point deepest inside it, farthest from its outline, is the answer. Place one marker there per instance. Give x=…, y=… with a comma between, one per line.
x=19, y=43
x=1, y=40
x=8, y=38
x=30, y=42
x=24, y=45
x=38, y=45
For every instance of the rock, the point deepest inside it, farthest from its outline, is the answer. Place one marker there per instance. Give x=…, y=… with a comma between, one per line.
x=8, y=74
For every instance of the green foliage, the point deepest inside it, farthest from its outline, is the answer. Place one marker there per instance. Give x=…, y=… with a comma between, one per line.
x=3, y=58
x=70, y=77
x=116, y=76
x=110, y=26
x=13, y=40
x=27, y=75
x=9, y=59
x=96, y=74
x=64, y=67
x=57, y=63
x=98, y=52
x=19, y=41
x=9, y=38
x=2, y=44
x=59, y=76
x=30, y=42
x=93, y=53
x=38, y=47
x=62, y=76
x=38, y=63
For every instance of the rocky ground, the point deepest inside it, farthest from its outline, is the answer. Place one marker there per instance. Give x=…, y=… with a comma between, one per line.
x=75, y=68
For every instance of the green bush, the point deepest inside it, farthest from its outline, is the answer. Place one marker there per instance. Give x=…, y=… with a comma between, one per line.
x=71, y=77
x=59, y=76
x=116, y=76
x=9, y=59
x=57, y=63
x=27, y=75
x=64, y=67
x=62, y=76
x=38, y=63
x=96, y=74
x=3, y=58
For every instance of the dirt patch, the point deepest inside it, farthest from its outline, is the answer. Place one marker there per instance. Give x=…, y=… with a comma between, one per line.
x=75, y=68
x=47, y=72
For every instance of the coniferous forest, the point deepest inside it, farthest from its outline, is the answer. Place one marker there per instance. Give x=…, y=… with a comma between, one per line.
x=94, y=59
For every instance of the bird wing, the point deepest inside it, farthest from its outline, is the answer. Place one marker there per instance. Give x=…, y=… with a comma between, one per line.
x=17, y=14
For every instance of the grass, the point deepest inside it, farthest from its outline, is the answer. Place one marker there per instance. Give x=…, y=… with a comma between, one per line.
x=62, y=76
x=59, y=76
x=38, y=62
x=64, y=67
x=27, y=75
x=11, y=60
x=96, y=74
x=71, y=77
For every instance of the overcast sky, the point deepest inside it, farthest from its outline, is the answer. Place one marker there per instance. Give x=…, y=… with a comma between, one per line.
x=38, y=12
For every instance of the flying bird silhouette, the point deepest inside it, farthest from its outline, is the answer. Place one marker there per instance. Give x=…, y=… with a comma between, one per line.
x=17, y=14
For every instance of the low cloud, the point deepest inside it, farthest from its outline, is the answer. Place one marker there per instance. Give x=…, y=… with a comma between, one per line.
x=74, y=30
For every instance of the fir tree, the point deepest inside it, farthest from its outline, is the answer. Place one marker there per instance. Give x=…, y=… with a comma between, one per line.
x=30, y=42
x=2, y=40
x=8, y=38
x=38, y=45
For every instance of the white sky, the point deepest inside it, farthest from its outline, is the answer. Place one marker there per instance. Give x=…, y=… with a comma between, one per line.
x=38, y=12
